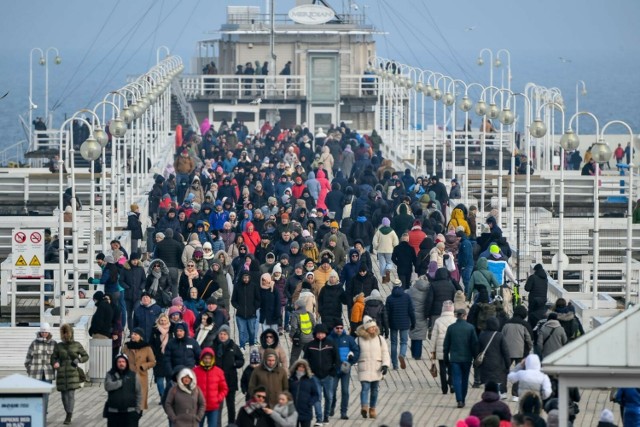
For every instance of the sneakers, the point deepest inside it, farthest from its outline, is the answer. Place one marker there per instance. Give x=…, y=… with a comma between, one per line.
x=403, y=364
x=515, y=399
x=318, y=424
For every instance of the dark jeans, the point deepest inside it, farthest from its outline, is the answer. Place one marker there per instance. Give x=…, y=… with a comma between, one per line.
x=124, y=419
x=405, y=279
x=460, y=376
x=445, y=376
x=416, y=349
x=324, y=386
x=231, y=408
x=343, y=379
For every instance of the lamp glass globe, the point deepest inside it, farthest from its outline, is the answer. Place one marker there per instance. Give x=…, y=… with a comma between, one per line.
x=569, y=140
x=494, y=111
x=90, y=149
x=506, y=117
x=537, y=129
x=101, y=136
x=437, y=94
x=601, y=152
x=481, y=108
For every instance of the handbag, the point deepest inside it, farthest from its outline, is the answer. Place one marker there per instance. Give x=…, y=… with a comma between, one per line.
x=480, y=358
x=82, y=376
x=433, y=370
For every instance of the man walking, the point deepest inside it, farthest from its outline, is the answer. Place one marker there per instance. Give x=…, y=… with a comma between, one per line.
x=460, y=348
x=349, y=353
x=323, y=358
x=401, y=318
x=246, y=301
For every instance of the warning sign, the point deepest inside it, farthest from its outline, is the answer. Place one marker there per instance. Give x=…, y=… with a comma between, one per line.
x=28, y=245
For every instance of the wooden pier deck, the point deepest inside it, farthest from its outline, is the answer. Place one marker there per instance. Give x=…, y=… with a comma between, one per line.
x=411, y=390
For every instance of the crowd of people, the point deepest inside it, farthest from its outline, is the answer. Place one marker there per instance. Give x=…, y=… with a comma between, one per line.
x=275, y=234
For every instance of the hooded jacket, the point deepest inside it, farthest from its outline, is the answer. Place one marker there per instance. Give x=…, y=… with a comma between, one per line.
x=322, y=355
x=490, y=402
x=403, y=221
x=185, y=405
x=374, y=354
x=495, y=365
x=400, y=310
x=313, y=185
x=530, y=378
x=251, y=239
x=537, y=285
x=274, y=379
x=330, y=302
x=551, y=337
x=211, y=381
x=184, y=351
x=384, y=240
x=404, y=257
x=229, y=358
x=125, y=391
x=246, y=298
x=304, y=390
x=360, y=284
x=68, y=353
x=440, y=327
x=418, y=295
x=458, y=220
x=482, y=280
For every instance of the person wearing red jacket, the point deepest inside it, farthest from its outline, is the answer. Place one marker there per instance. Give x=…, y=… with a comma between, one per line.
x=211, y=381
x=188, y=317
x=298, y=188
x=251, y=237
x=416, y=236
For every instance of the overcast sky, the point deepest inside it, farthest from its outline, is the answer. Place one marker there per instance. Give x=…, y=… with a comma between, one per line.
x=549, y=40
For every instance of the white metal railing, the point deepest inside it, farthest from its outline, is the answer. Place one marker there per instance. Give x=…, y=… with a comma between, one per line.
x=252, y=87
x=14, y=153
x=185, y=107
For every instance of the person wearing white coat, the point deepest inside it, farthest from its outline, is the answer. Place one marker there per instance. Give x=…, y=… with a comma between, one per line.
x=384, y=240
x=439, y=331
x=373, y=364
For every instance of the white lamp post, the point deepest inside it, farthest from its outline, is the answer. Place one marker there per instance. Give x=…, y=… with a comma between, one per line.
x=630, y=199
x=600, y=152
x=57, y=61
x=480, y=62
x=583, y=93
x=498, y=64
x=159, y=49
x=32, y=105
x=482, y=110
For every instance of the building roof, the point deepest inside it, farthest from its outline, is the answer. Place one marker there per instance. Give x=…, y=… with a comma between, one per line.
x=613, y=348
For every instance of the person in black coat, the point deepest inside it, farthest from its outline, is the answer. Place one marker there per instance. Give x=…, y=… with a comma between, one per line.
x=134, y=281
x=135, y=227
x=229, y=358
x=246, y=300
x=363, y=282
x=160, y=333
x=330, y=301
x=496, y=362
x=404, y=257
x=101, y=321
x=537, y=285
x=362, y=230
x=402, y=317
x=181, y=350
x=442, y=289
x=335, y=200
x=304, y=391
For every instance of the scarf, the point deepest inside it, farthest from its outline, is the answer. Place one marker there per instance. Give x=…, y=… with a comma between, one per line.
x=203, y=332
x=186, y=389
x=191, y=274
x=164, y=336
x=156, y=281
x=253, y=405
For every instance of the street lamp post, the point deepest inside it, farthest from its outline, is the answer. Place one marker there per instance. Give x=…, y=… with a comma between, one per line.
x=57, y=61
x=32, y=105
x=629, y=212
x=498, y=64
x=601, y=153
x=583, y=93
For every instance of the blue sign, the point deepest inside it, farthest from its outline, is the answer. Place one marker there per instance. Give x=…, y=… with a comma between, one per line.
x=15, y=421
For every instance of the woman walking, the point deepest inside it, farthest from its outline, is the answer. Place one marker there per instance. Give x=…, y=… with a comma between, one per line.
x=38, y=360
x=141, y=359
x=66, y=357
x=185, y=403
x=373, y=364
x=159, y=339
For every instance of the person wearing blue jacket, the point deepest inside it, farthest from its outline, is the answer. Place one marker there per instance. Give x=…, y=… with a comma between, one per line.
x=402, y=317
x=181, y=350
x=218, y=217
x=349, y=352
x=304, y=391
x=465, y=258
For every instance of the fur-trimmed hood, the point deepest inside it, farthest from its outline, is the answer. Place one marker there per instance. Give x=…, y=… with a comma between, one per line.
x=66, y=333
x=163, y=267
x=294, y=367
x=364, y=334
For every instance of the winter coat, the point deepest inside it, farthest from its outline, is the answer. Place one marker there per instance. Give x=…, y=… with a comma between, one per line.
x=182, y=408
x=269, y=306
x=229, y=358
x=404, y=258
x=518, y=335
x=145, y=317
x=285, y=415
x=275, y=346
x=330, y=302
x=490, y=402
x=125, y=392
x=164, y=282
x=102, y=319
x=134, y=225
x=313, y=185
x=212, y=383
x=400, y=310
x=304, y=391
x=630, y=398
x=362, y=230
x=275, y=380
x=457, y=219
x=374, y=354
x=375, y=308
x=497, y=361
x=551, y=337
x=323, y=357
x=169, y=251
x=416, y=236
x=68, y=353
x=185, y=352
x=537, y=285
x=531, y=378
x=442, y=289
x=482, y=279
x=418, y=295
x=384, y=240
x=360, y=284
x=134, y=282
x=141, y=359
x=440, y=327
x=156, y=346
x=246, y=299
x=460, y=343
x=38, y=359
x=402, y=222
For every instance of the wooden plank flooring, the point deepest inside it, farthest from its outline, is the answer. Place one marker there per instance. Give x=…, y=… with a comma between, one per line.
x=412, y=390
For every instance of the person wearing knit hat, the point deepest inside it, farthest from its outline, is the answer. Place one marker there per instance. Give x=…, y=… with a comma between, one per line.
x=38, y=358
x=384, y=240
x=334, y=224
x=439, y=330
x=498, y=265
x=606, y=419
x=386, y=222
x=406, y=419
x=490, y=403
x=141, y=360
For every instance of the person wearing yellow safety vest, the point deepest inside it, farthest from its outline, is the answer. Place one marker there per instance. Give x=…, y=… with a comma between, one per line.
x=301, y=331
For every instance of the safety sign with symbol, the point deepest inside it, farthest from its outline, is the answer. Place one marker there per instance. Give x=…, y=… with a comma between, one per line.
x=28, y=251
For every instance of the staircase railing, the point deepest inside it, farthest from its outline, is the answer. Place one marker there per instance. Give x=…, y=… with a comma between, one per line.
x=185, y=108
x=14, y=153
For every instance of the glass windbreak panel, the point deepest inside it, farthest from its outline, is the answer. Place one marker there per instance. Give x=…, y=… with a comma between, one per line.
x=324, y=79
x=322, y=120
